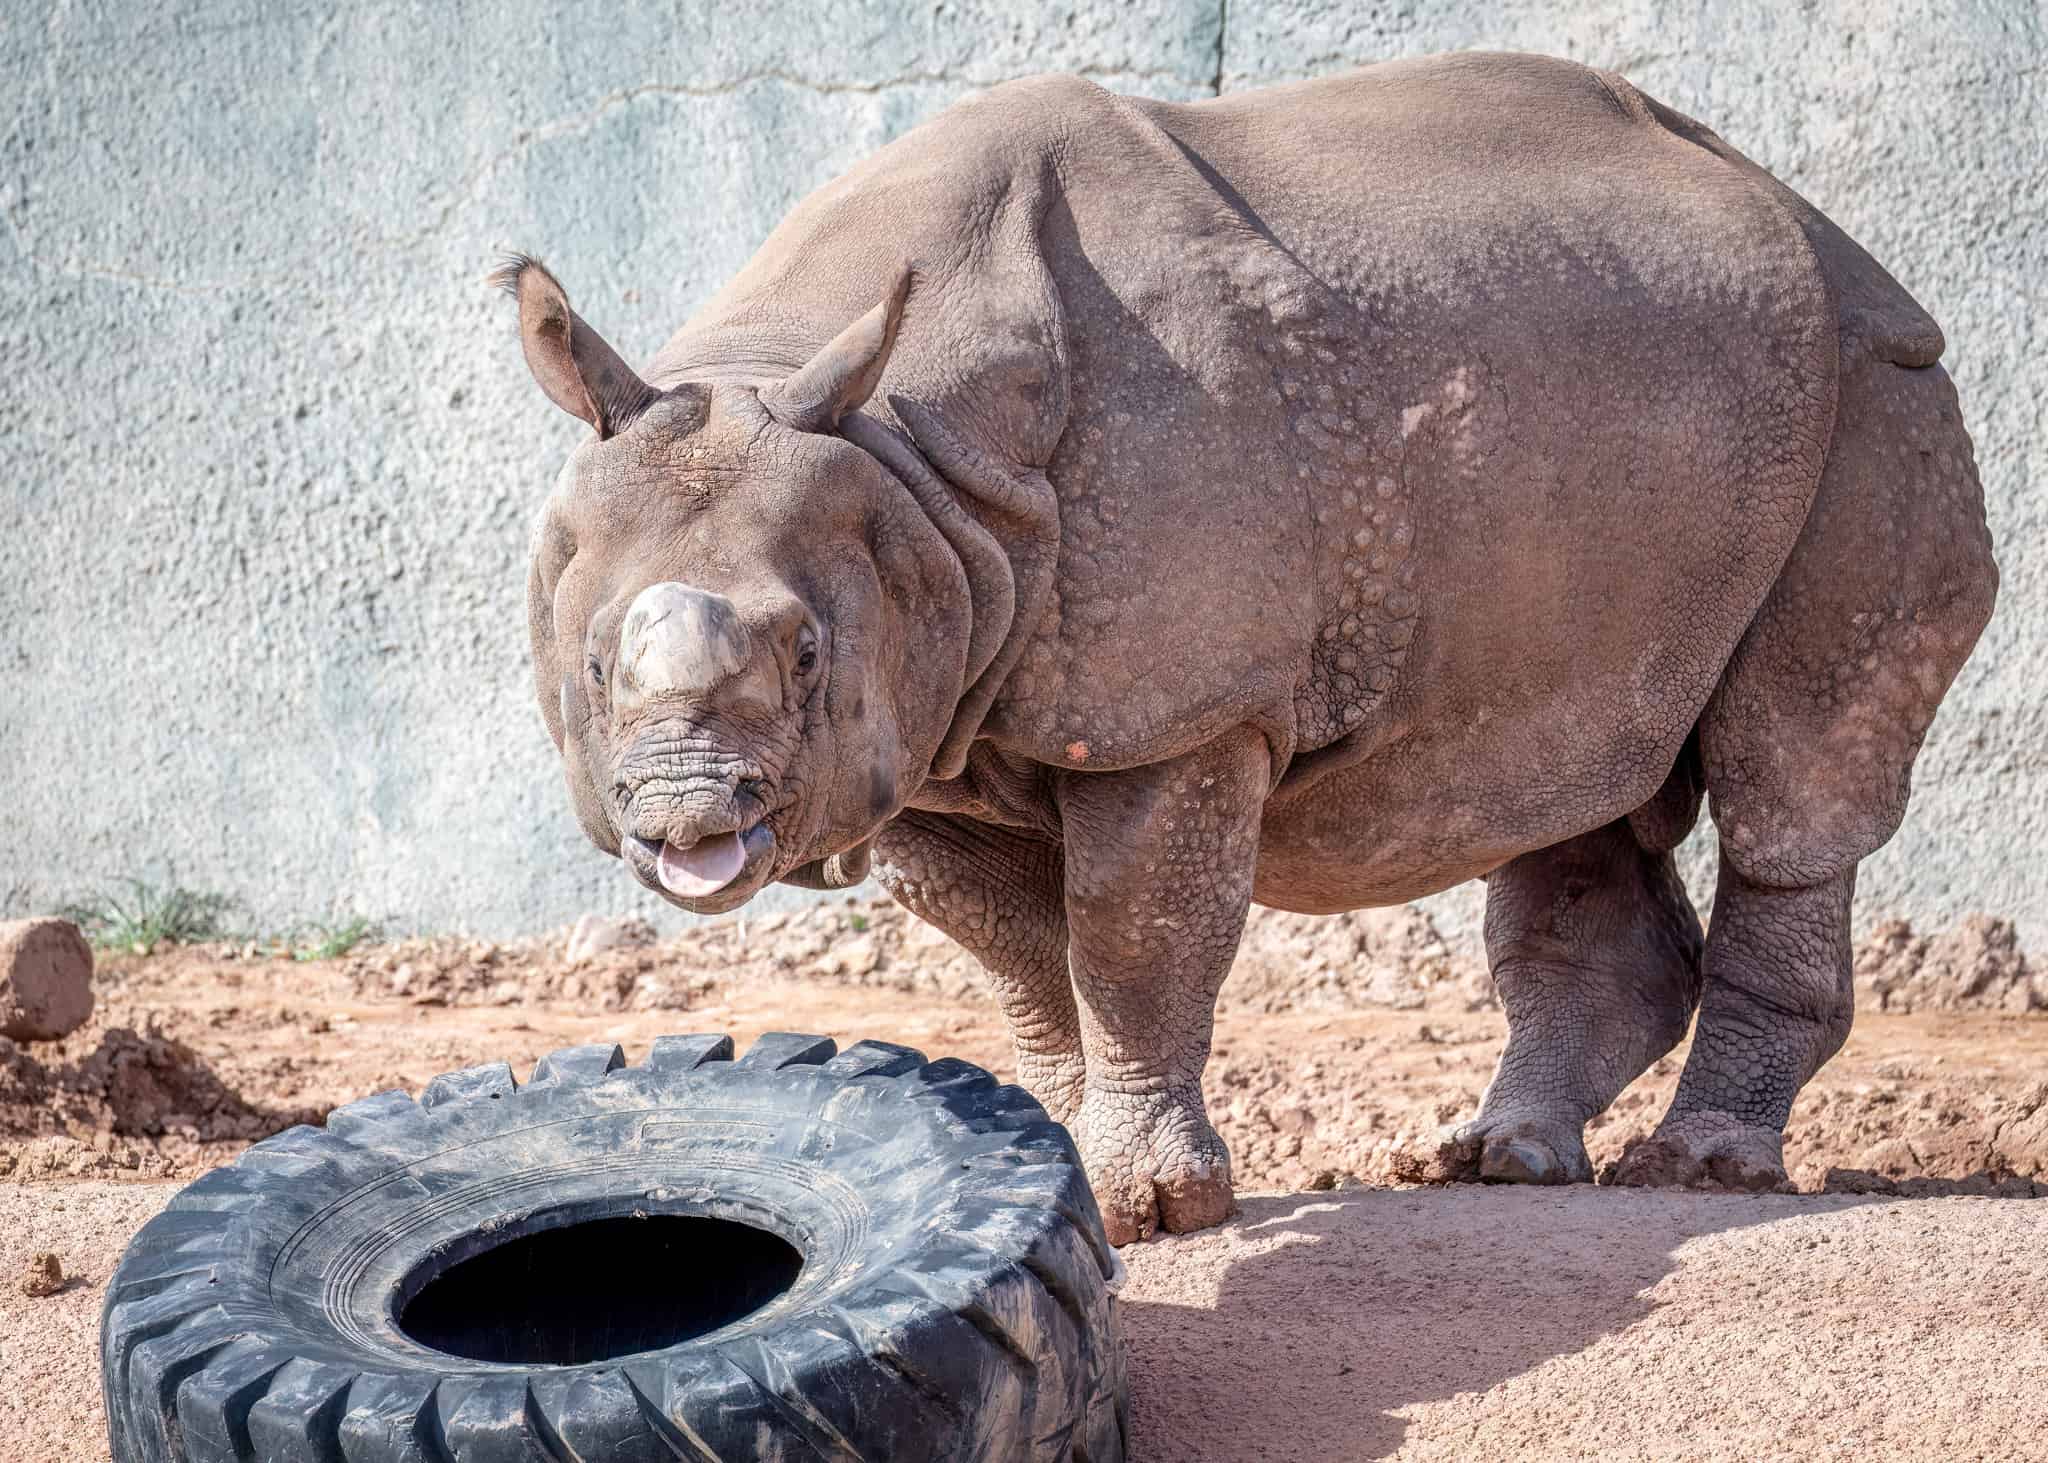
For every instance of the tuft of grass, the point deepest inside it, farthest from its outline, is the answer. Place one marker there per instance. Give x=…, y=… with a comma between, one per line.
x=141, y=915
x=332, y=941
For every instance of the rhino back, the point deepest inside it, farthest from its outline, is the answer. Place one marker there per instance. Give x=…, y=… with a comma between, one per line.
x=1460, y=410
x=1454, y=403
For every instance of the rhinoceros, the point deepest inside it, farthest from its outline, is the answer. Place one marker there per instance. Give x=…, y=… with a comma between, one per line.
x=1093, y=515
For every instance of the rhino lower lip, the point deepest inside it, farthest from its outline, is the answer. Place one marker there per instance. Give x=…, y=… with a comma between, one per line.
x=710, y=867
x=701, y=868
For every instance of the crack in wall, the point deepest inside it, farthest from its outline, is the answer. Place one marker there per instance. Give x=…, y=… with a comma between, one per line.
x=1222, y=41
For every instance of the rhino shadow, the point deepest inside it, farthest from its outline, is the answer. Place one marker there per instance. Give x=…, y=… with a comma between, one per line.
x=1377, y=1299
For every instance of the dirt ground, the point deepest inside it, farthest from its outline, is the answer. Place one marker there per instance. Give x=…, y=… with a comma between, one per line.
x=1899, y=1314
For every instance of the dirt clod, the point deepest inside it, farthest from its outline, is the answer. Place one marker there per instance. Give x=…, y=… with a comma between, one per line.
x=43, y=1275
x=45, y=979
x=116, y=1099
x=594, y=934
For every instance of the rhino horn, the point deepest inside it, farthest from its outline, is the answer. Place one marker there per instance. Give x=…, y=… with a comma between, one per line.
x=846, y=372
x=677, y=640
x=576, y=368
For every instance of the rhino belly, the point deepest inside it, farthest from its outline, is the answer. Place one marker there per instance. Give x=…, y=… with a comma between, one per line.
x=1454, y=802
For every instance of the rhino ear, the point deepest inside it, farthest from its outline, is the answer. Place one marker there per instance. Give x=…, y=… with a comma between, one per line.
x=579, y=372
x=846, y=372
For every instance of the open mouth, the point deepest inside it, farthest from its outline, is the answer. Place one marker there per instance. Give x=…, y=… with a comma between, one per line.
x=728, y=864
x=705, y=867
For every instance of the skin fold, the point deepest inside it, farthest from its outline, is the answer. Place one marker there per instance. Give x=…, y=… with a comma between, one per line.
x=1090, y=516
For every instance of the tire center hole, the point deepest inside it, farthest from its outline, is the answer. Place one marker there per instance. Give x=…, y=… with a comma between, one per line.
x=604, y=1288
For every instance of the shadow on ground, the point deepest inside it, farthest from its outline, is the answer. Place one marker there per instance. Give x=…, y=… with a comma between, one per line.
x=1305, y=1328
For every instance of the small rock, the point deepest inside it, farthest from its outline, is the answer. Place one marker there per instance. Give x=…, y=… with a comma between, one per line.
x=44, y=1275
x=1294, y=1118
x=45, y=979
x=1442, y=1158
x=1892, y=1156
x=593, y=934
x=1322, y=1180
x=862, y=957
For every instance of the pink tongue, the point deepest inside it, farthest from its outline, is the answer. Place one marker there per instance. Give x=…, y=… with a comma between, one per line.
x=705, y=867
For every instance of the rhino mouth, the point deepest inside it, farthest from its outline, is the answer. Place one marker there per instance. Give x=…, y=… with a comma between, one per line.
x=716, y=873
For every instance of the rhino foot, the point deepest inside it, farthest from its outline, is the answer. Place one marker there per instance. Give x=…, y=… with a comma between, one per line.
x=1705, y=1150
x=1154, y=1162
x=1522, y=1150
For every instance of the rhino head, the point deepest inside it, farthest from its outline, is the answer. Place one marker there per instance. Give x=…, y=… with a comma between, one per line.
x=724, y=599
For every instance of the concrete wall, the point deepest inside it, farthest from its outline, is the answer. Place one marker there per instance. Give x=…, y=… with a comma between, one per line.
x=268, y=453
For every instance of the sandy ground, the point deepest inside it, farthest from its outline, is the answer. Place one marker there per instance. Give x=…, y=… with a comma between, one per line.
x=1468, y=1322
x=1447, y=1323
x=1902, y=1313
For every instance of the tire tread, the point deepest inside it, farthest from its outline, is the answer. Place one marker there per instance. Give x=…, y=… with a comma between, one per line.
x=1011, y=1307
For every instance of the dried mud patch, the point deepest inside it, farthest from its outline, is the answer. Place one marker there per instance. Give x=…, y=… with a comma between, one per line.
x=1396, y=959
x=1975, y=966
x=1343, y=1045
x=1392, y=958
x=119, y=1098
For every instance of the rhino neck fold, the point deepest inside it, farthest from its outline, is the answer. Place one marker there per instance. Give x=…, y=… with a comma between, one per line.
x=1003, y=523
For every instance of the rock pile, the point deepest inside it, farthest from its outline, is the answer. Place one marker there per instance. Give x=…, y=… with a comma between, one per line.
x=1975, y=965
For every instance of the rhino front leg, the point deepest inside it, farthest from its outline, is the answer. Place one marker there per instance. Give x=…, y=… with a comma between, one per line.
x=1595, y=949
x=1159, y=877
x=999, y=894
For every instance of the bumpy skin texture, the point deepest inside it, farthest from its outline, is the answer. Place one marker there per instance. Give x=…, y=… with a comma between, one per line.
x=1159, y=877
x=1320, y=496
x=999, y=893
x=1596, y=951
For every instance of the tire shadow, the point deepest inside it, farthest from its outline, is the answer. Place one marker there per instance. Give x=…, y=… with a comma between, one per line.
x=1333, y=1312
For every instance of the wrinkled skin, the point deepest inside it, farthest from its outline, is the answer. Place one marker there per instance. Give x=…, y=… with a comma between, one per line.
x=1094, y=515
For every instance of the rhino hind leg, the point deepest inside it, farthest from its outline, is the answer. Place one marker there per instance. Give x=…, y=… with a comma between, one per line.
x=1807, y=746
x=1595, y=950
x=998, y=894
x=1778, y=1004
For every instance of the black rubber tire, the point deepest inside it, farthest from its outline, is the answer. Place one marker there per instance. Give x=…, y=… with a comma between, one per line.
x=956, y=1299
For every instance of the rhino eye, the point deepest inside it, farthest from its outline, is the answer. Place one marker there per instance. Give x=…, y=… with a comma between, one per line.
x=807, y=662
x=596, y=672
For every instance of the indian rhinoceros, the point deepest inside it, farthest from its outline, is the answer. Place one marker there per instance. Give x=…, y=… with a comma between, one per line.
x=1097, y=514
